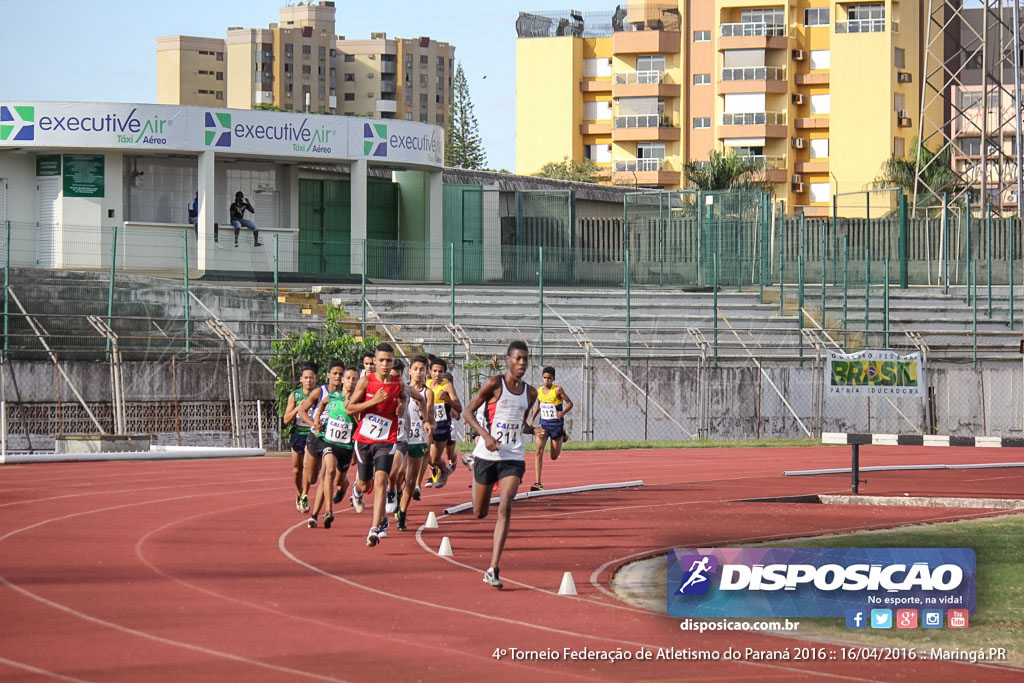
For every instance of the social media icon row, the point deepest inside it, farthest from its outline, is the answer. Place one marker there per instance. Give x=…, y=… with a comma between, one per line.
x=905, y=618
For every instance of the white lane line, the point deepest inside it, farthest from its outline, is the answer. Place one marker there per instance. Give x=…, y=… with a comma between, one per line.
x=431, y=647
x=41, y=672
x=135, y=632
x=36, y=501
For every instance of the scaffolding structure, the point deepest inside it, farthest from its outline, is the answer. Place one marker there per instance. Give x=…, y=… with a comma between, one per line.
x=962, y=36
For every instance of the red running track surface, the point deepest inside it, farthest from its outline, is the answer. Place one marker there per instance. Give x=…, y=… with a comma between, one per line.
x=201, y=570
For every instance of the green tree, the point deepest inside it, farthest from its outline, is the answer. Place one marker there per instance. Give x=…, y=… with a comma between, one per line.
x=726, y=172
x=937, y=175
x=332, y=342
x=582, y=171
x=463, y=147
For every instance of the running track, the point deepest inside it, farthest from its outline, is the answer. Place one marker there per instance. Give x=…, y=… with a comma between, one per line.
x=201, y=570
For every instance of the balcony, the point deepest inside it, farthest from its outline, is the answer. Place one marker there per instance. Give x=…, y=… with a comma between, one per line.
x=865, y=26
x=388, y=87
x=811, y=123
x=595, y=86
x=759, y=124
x=644, y=127
x=643, y=172
x=752, y=35
x=644, y=84
x=812, y=79
x=645, y=42
x=753, y=79
x=596, y=128
x=388, y=67
x=774, y=166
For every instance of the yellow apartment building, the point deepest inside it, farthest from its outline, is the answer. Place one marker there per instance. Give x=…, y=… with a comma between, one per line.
x=821, y=92
x=301, y=64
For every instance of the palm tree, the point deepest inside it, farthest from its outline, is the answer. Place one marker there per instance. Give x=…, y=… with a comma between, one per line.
x=937, y=175
x=726, y=172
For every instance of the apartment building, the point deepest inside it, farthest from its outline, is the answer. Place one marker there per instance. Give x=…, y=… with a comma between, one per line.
x=821, y=92
x=301, y=64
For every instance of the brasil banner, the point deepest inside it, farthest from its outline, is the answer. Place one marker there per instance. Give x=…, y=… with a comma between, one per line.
x=876, y=373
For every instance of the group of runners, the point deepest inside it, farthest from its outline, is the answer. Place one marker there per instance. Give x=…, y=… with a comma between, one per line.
x=397, y=422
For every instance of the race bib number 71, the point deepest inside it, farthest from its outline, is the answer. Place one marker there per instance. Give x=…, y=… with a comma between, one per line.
x=375, y=427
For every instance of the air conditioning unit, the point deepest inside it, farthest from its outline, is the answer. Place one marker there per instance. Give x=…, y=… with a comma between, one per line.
x=798, y=143
x=797, y=178
x=903, y=122
x=798, y=188
x=798, y=98
x=901, y=113
x=799, y=55
x=904, y=77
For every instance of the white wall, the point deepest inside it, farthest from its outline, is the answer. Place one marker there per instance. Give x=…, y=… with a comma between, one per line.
x=19, y=170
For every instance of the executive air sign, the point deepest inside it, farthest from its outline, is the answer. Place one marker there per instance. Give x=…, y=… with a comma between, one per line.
x=84, y=125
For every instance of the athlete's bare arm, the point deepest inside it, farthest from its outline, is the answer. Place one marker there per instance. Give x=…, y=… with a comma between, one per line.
x=302, y=412
x=531, y=399
x=403, y=396
x=531, y=418
x=483, y=396
x=566, y=403
x=428, y=413
x=453, y=398
x=289, y=412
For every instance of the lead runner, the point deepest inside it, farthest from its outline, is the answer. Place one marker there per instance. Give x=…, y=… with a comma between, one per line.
x=499, y=452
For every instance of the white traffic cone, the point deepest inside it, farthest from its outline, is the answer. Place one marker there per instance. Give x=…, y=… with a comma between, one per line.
x=431, y=521
x=446, y=551
x=568, y=586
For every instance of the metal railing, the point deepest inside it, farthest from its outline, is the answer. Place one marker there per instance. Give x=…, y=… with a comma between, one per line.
x=643, y=121
x=622, y=165
x=768, y=161
x=752, y=29
x=641, y=77
x=754, y=118
x=754, y=73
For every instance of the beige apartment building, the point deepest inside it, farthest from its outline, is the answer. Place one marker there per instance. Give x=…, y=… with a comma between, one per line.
x=301, y=64
x=821, y=92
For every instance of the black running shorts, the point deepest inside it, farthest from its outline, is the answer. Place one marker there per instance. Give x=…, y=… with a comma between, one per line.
x=318, y=448
x=374, y=457
x=487, y=472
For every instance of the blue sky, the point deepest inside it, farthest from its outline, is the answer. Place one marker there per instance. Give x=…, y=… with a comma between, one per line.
x=105, y=51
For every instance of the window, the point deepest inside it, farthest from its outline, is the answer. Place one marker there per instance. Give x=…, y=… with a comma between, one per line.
x=440, y=62
x=289, y=49
x=220, y=56
x=423, y=79
x=899, y=59
x=408, y=61
x=974, y=61
x=770, y=17
x=819, y=148
x=650, y=150
x=307, y=49
x=992, y=100
x=702, y=36
x=350, y=97
x=350, y=58
x=408, y=116
x=423, y=117
x=817, y=16
x=702, y=79
x=650, y=63
x=439, y=118
x=350, y=78
x=701, y=123
x=220, y=94
x=820, y=192
x=220, y=75
x=821, y=104
x=423, y=100
x=305, y=69
x=424, y=59
x=322, y=52
x=821, y=59
x=593, y=68
x=899, y=147
x=899, y=101
x=597, y=111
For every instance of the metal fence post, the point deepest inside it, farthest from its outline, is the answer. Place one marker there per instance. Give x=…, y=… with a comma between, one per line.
x=800, y=305
x=967, y=287
x=184, y=270
x=846, y=288
x=362, y=276
x=988, y=256
x=540, y=298
x=1009, y=242
x=628, y=312
x=782, y=261
x=945, y=243
x=451, y=278
x=7, y=284
x=886, y=309
x=661, y=242
x=110, y=287
x=974, y=298
x=715, y=300
x=824, y=272
x=904, y=263
x=277, y=295
x=867, y=296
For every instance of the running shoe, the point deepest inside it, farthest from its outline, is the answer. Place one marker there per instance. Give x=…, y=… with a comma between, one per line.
x=357, y=503
x=537, y=487
x=391, y=505
x=400, y=521
x=490, y=577
x=382, y=530
x=443, y=479
x=328, y=519
x=298, y=502
x=435, y=474
x=373, y=538
x=312, y=522
x=428, y=484
x=337, y=496
x=416, y=493
x=467, y=460
x=304, y=503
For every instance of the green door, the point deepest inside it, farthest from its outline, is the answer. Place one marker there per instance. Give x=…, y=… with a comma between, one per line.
x=324, y=226
x=463, y=227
